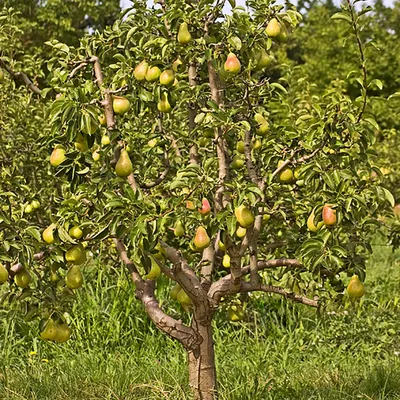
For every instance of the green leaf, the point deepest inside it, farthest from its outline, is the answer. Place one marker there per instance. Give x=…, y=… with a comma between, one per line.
x=343, y=16
x=389, y=197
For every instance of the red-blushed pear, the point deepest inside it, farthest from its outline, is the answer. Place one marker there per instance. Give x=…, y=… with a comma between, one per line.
x=23, y=278
x=396, y=210
x=74, y=277
x=140, y=71
x=184, y=36
x=328, y=215
x=57, y=156
x=164, y=105
x=3, y=274
x=232, y=64
x=167, y=78
x=153, y=73
x=205, y=207
x=201, y=239
x=244, y=216
x=310, y=222
x=273, y=29
x=355, y=287
x=124, y=167
x=121, y=105
x=48, y=234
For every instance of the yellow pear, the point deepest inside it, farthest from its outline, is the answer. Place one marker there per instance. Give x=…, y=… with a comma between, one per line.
x=201, y=240
x=48, y=234
x=221, y=245
x=328, y=215
x=74, y=277
x=63, y=333
x=235, y=313
x=105, y=140
x=102, y=120
x=226, y=261
x=23, y=278
x=241, y=232
x=167, y=78
x=28, y=209
x=49, y=332
x=140, y=71
x=76, y=254
x=164, y=105
x=124, y=167
x=121, y=105
x=57, y=156
x=273, y=28
x=310, y=223
x=35, y=205
x=153, y=73
x=96, y=156
x=155, y=270
x=244, y=216
x=75, y=232
x=1, y=75
x=3, y=274
x=184, y=36
x=355, y=288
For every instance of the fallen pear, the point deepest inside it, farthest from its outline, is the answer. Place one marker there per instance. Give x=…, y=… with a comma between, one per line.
x=49, y=332
x=201, y=239
x=3, y=274
x=355, y=287
x=163, y=104
x=244, y=216
x=205, y=207
x=63, y=332
x=184, y=36
x=232, y=64
x=121, y=105
x=179, y=230
x=76, y=254
x=155, y=270
x=57, y=156
x=153, y=73
x=167, y=78
x=48, y=234
x=23, y=278
x=226, y=261
x=74, y=277
x=124, y=167
x=328, y=215
x=75, y=232
x=140, y=71
x=310, y=222
x=273, y=28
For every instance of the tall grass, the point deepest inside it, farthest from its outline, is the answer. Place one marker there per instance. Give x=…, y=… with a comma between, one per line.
x=282, y=351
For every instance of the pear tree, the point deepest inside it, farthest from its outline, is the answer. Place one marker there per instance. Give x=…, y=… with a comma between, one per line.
x=173, y=141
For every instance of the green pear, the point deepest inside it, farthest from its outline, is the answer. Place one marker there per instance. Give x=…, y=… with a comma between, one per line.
x=28, y=209
x=174, y=291
x=1, y=75
x=75, y=232
x=3, y=274
x=81, y=143
x=57, y=156
x=23, y=278
x=183, y=298
x=273, y=28
x=237, y=162
x=184, y=36
x=155, y=270
x=63, y=333
x=76, y=254
x=105, y=140
x=121, y=105
x=244, y=216
x=164, y=105
x=74, y=277
x=241, y=232
x=263, y=125
x=35, y=204
x=49, y=332
x=286, y=176
x=140, y=71
x=355, y=288
x=167, y=78
x=232, y=64
x=179, y=230
x=153, y=73
x=48, y=234
x=124, y=167
x=263, y=59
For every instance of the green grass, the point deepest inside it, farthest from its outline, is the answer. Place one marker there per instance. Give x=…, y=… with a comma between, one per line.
x=289, y=353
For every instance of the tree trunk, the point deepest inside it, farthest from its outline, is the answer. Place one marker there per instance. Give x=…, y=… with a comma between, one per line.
x=202, y=372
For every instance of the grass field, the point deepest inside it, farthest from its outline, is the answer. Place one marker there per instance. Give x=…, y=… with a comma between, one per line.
x=290, y=353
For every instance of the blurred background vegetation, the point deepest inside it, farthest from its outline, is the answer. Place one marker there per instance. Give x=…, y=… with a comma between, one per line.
x=280, y=351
